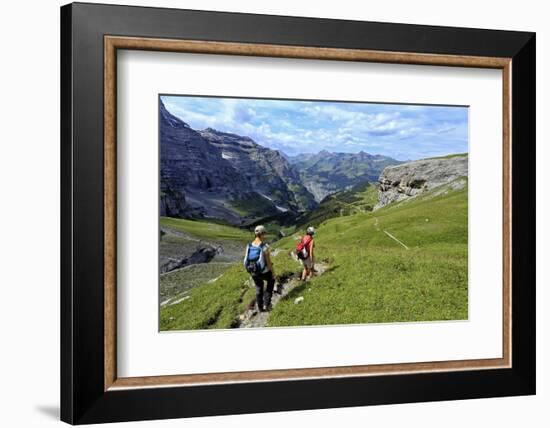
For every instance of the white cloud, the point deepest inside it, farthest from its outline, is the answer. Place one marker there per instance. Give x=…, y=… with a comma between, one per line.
x=312, y=126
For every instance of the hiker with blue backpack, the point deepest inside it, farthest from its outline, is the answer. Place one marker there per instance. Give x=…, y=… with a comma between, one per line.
x=257, y=262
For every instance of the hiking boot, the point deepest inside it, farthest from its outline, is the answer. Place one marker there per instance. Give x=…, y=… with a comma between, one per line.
x=268, y=307
x=279, y=289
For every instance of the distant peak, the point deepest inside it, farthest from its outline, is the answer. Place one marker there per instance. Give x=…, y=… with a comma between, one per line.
x=362, y=153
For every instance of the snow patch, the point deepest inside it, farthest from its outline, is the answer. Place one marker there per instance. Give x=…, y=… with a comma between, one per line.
x=281, y=209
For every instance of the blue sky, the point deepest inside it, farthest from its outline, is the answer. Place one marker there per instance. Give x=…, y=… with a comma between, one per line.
x=400, y=131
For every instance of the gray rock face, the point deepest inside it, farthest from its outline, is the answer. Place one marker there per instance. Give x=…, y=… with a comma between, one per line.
x=412, y=178
x=268, y=172
x=173, y=203
x=212, y=174
x=189, y=161
x=201, y=255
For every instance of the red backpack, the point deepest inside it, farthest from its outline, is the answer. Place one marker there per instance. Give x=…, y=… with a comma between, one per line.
x=301, y=247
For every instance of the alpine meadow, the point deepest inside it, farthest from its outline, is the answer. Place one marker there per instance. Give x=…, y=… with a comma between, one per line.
x=290, y=213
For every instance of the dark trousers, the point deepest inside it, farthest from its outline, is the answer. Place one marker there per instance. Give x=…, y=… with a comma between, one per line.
x=261, y=297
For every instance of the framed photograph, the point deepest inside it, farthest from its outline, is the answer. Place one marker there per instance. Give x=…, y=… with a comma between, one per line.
x=330, y=213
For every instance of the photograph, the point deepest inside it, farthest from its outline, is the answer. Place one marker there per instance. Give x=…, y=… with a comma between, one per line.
x=292, y=213
x=261, y=210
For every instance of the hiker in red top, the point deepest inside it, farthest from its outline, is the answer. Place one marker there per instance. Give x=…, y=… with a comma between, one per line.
x=304, y=251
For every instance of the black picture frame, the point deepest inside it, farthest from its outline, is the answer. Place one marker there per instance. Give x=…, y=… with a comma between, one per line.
x=83, y=398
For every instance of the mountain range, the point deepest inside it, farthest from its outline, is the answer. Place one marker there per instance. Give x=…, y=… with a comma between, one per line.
x=223, y=176
x=327, y=172
x=212, y=174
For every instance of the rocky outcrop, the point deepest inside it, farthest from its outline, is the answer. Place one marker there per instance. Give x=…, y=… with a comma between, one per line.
x=412, y=178
x=327, y=172
x=202, y=255
x=173, y=203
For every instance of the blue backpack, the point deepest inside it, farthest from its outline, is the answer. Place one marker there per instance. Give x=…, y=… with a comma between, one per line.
x=254, y=261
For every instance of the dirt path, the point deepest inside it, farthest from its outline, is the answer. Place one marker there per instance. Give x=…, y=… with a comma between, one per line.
x=251, y=318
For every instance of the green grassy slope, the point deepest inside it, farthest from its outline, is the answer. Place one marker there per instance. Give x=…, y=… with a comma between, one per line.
x=371, y=277
x=205, y=230
x=253, y=205
x=210, y=305
x=217, y=304
x=453, y=155
x=182, y=239
x=360, y=198
x=176, y=284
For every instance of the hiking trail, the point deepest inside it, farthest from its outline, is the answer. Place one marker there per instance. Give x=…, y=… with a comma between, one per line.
x=252, y=318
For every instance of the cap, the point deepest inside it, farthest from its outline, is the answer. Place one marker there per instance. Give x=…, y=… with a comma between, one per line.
x=259, y=230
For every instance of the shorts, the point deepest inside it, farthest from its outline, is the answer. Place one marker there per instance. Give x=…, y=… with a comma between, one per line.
x=308, y=263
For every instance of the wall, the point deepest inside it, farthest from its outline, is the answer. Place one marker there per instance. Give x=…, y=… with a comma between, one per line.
x=29, y=230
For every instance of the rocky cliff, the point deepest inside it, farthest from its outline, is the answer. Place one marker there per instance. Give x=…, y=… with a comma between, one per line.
x=190, y=169
x=212, y=174
x=172, y=202
x=267, y=171
x=412, y=178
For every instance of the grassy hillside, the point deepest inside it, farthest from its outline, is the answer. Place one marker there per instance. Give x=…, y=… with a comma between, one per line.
x=182, y=238
x=453, y=155
x=177, y=284
x=360, y=198
x=205, y=230
x=371, y=277
x=217, y=304
x=253, y=205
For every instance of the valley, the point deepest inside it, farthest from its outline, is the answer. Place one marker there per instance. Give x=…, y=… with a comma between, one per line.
x=326, y=172
x=391, y=240
x=368, y=276
x=209, y=174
